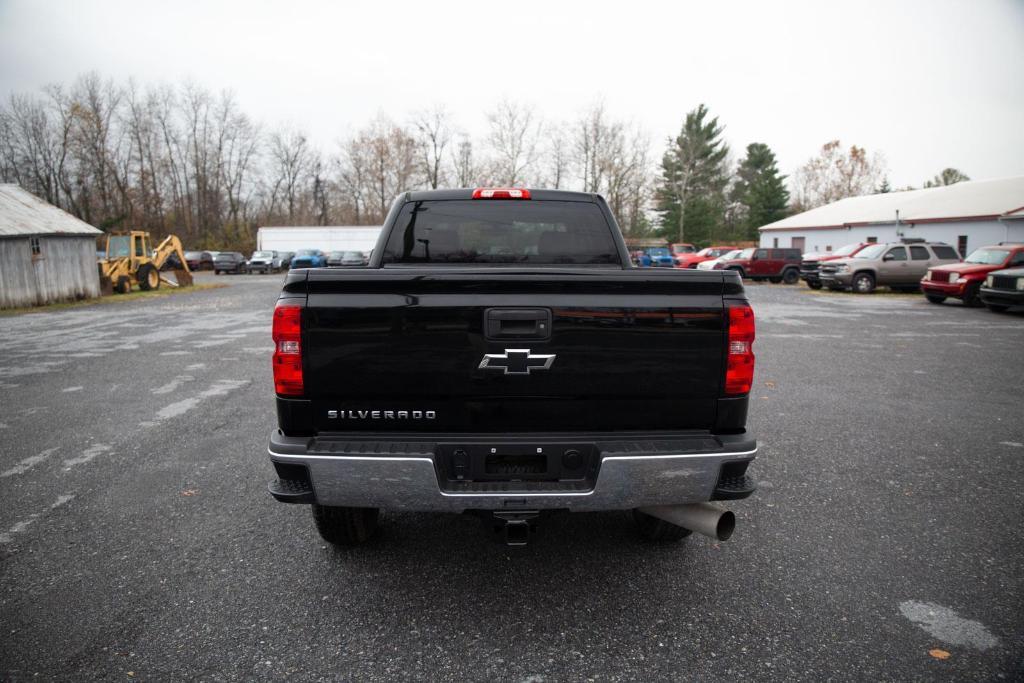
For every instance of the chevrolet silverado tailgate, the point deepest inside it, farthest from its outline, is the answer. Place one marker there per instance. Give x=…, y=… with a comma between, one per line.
x=513, y=349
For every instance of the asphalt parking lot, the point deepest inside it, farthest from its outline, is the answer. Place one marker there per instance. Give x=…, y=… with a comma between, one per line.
x=137, y=539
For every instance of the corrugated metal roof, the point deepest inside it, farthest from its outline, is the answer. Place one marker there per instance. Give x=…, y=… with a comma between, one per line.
x=969, y=199
x=23, y=213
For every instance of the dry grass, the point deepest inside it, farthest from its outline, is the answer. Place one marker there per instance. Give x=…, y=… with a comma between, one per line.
x=135, y=295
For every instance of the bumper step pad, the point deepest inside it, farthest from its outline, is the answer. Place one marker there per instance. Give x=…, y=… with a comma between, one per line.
x=734, y=488
x=291, y=491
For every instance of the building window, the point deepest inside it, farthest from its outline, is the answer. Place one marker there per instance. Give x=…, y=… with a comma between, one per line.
x=961, y=245
x=34, y=243
x=828, y=248
x=775, y=242
x=872, y=240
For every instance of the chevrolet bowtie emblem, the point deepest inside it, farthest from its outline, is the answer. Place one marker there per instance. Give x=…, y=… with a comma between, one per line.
x=517, y=361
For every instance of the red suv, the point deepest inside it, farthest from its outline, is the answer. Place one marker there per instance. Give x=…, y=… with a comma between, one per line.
x=964, y=280
x=707, y=254
x=777, y=265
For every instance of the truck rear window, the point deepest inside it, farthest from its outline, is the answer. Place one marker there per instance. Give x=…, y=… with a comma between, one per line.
x=501, y=231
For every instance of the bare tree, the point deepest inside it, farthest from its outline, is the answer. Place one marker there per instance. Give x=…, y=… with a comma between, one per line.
x=291, y=163
x=513, y=136
x=835, y=174
x=466, y=172
x=433, y=136
x=557, y=157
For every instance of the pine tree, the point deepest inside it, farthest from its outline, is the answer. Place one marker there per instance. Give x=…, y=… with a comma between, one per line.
x=885, y=187
x=759, y=189
x=691, y=196
x=949, y=176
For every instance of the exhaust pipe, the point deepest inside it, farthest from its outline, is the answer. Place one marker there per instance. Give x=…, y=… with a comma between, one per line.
x=704, y=518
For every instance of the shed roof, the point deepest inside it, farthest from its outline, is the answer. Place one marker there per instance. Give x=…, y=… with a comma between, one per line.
x=975, y=199
x=23, y=214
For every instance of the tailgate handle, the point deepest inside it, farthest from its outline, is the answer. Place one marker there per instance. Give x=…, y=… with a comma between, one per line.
x=518, y=323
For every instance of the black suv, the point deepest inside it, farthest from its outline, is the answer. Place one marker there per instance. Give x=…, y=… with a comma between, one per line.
x=229, y=262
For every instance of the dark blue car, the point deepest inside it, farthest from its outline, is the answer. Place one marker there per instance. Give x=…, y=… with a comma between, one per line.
x=309, y=258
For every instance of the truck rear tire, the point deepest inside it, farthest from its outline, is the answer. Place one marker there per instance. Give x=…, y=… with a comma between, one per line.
x=658, y=530
x=346, y=526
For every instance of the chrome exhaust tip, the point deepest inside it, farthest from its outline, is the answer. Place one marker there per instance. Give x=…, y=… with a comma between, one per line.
x=704, y=518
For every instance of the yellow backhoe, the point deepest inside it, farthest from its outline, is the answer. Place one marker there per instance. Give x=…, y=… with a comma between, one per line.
x=130, y=260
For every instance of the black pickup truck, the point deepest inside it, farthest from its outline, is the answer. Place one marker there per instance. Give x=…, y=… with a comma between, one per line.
x=500, y=356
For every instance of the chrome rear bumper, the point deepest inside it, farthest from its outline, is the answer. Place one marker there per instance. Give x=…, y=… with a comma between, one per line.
x=403, y=476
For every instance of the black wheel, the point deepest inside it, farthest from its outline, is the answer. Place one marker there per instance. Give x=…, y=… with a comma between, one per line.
x=996, y=308
x=790, y=277
x=216, y=272
x=863, y=283
x=972, y=298
x=123, y=285
x=658, y=530
x=346, y=526
x=148, y=277
x=934, y=298
x=814, y=285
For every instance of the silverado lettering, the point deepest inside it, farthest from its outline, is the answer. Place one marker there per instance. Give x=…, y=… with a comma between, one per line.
x=467, y=301
x=382, y=414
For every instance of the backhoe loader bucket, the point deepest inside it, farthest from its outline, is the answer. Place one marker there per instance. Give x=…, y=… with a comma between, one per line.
x=106, y=284
x=182, y=278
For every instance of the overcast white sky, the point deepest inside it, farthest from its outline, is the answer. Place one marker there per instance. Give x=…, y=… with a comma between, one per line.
x=928, y=83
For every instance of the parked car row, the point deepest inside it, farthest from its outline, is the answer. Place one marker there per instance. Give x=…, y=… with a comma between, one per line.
x=754, y=263
x=270, y=261
x=992, y=276
x=315, y=258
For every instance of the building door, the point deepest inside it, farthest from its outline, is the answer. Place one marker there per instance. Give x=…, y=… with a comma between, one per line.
x=961, y=245
x=798, y=243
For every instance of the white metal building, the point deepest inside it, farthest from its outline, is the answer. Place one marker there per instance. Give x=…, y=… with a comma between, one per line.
x=324, y=237
x=46, y=254
x=966, y=215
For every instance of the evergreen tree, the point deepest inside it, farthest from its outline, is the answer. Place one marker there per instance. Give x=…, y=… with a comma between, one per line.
x=885, y=187
x=691, y=191
x=949, y=176
x=759, y=189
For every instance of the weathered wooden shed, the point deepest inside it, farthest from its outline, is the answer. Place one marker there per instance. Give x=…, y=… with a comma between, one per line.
x=46, y=254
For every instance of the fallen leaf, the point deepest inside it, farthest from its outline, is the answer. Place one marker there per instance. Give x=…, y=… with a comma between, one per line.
x=770, y=385
x=190, y=492
x=939, y=654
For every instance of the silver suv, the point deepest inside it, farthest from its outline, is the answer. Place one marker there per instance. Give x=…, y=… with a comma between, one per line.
x=897, y=265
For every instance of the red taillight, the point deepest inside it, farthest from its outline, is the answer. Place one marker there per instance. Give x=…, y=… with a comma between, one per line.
x=739, y=369
x=501, y=193
x=287, y=333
